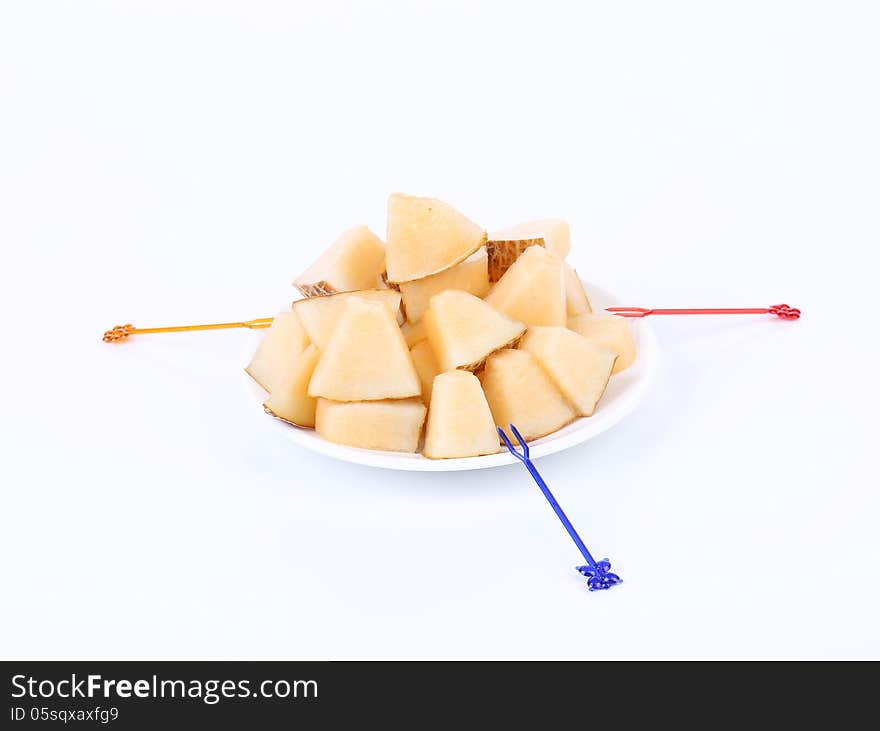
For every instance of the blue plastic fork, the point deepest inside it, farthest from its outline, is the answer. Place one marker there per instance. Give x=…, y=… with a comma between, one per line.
x=598, y=573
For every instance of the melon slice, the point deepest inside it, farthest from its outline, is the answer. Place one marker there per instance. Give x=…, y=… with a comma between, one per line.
x=463, y=330
x=426, y=236
x=521, y=393
x=290, y=399
x=576, y=300
x=366, y=357
x=354, y=261
x=505, y=246
x=426, y=366
x=320, y=314
x=580, y=369
x=282, y=344
x=533, y=289
x=413, y=332
x=472, y=275
x=460, y=423
x=610, y=331
x=394, y=426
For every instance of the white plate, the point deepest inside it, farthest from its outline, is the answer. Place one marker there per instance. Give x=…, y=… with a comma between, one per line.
x=623, y=394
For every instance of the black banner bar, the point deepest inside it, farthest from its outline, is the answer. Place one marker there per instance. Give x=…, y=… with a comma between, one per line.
x=266, y=694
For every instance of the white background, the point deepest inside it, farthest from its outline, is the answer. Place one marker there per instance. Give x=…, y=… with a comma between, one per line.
x=181, y=162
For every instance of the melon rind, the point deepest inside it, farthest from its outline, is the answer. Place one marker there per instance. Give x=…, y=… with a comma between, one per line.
x=506, y=245
x=383, y=282
x=502, y=253
x=318, y=289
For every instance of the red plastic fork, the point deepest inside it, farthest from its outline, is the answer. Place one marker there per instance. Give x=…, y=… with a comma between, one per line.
x=782, y=311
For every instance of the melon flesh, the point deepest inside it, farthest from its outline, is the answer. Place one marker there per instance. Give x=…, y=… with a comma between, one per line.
x=354, y=261
x=576, y=300
x=463, y=330
x=580, y=369
x=460, y=423
x=610, y=331
x=319, y=315
x=290, y=400
x=426, y=236
x=366, y=357
x=521, y=393
x=472, y=275
x=505, y=246
x=282, y=344
x=413, y=332
x=533, y=289
x=394, y=426
x=426, y=366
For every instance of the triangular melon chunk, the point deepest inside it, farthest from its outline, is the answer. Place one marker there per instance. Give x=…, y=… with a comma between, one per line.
x=576, y=300
x=610, y=331
x=426, y=236
x=463, y=330
x=366, y=357
x=506, y=245
x=521, y=393
x=393, y=426
x=579, y=368
x=460, y=423
x=282, y=344
x=290, y=399
x=426, y=366
x=354, y=261
x=533, y=289
x=320, y=314
x=472, y=275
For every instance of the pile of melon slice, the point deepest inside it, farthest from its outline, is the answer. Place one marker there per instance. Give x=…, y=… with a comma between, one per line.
x=428, y=341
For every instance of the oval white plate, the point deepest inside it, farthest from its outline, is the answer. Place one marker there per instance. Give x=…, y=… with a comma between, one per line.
x=623, y=394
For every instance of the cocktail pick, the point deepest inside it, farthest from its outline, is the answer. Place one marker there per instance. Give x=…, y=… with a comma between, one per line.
x=598, y=573
x=122, y=332
x=783, y=311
